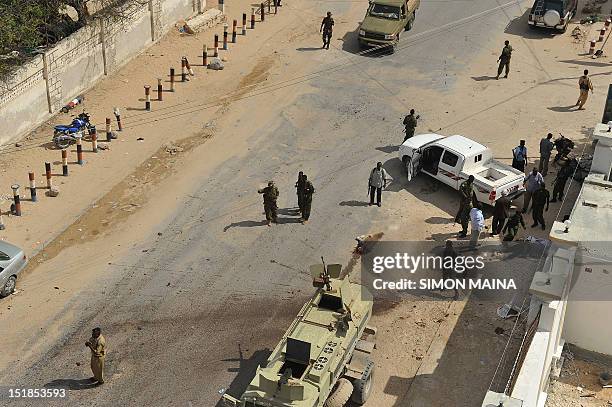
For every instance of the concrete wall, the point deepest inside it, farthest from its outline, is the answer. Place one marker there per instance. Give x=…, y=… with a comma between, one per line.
x=42, y=87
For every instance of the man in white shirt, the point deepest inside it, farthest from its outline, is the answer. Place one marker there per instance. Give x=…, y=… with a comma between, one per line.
x=377, y=181
x=478, y=225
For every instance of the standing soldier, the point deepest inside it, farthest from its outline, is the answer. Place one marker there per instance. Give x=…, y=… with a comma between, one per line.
x=584, y=84
x=512, y=226
x=97, y=345
x=559, y=183
x=270, y=195
x=410, y=123
x=466, y=189
x=299, y=186
x=376, y=183
x=504, y=59
x=500, y=213
x=307, y=199
x=326, y=28
x=519, y=156
x=540, y=198
x=546, y=147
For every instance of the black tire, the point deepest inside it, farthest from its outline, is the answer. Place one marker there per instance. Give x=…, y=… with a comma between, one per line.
x=409, y=168
x=9, y=287
x=410, y=22
x=362, y=388
x=62, y=142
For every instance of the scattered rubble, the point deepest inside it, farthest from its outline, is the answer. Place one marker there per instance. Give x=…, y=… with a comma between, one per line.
x=173, y=149
x=215, y=64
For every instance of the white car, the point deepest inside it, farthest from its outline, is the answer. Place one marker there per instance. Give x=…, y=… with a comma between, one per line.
x=453, y=159
x=12, y=261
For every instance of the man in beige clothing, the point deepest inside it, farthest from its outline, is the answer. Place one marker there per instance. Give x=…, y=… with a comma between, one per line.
x=585, y=85
x=97, y=344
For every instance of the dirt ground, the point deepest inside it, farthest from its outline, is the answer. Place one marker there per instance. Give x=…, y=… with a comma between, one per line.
x=578, y=385
x=124, y=240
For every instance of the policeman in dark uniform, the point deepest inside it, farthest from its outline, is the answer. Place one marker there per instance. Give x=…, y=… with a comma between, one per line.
x=270, y=195
x=466, y=189
x=540, y=198
x=559, y=183
x=512, y=226
x=307, y=200
x=326, y=28
x=410, y=123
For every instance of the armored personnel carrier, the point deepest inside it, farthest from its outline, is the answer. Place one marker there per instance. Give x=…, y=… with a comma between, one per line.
x=324, y=357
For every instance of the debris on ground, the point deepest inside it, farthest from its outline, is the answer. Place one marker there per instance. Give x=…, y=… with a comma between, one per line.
x=577, y=33
x=591, y=19
x=103, y=146
x=53, y=191
x=215, y=64
x=172, y=149
x=185, y=29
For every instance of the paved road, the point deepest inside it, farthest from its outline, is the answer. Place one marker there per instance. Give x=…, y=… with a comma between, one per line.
x=210, y=297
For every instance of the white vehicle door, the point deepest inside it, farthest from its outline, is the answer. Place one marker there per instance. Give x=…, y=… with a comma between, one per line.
x=413, y=164
x=449, y=169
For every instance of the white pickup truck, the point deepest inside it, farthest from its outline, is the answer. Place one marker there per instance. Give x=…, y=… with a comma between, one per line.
x=453, y=159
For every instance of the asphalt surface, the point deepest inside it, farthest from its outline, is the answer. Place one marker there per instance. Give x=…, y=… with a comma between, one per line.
x=215, y=290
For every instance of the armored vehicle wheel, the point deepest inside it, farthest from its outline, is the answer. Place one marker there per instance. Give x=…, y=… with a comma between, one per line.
x=363, y=387
x=341, y=393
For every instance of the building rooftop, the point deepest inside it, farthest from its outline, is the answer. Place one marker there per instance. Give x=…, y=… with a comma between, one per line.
x=591, y=217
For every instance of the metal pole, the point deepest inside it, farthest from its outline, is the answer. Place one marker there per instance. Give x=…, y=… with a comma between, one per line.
x=32, y=187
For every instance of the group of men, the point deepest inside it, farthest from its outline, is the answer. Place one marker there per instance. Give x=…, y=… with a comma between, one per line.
x=304, y=189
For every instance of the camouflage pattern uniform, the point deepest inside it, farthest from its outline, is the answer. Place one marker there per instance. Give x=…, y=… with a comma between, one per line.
x=410, y=122
x=466, y=189
x=270, y=195
x=307, y=200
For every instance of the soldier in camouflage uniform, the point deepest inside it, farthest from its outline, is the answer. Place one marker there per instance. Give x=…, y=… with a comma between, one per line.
x=410, y=123
x=466, y=189
x=270, y=195
x=307, y=199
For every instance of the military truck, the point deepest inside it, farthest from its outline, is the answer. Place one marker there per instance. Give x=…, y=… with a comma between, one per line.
x=385, y=20
x=324, y=357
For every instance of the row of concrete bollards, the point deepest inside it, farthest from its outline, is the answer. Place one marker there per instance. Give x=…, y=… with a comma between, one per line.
x=185, y=71
x=602, y=33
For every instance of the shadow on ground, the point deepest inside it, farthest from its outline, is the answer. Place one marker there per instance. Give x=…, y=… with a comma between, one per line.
x=71, y=384
x=520, y=26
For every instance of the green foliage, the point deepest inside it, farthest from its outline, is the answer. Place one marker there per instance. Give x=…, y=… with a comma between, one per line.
x=20, y=27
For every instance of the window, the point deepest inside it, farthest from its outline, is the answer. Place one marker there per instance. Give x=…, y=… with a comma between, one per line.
x=4, y=256
x=450, y=159
x=388, y=12
x=478, y=158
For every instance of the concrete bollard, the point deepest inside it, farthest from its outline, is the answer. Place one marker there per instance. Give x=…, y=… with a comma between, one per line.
x=252, y=19
x=48, y=175
x=275, y=6
x=607, y=23
x=188, y=65
x=160, y=90
x=109, y=134
x=79, y=148
x=118, y=117
x=204, y=55
x=602, y=33
x=2, y=227
x=17, y=200
x=244, y=22
x=269, y=7
x=225, y=36
x=64, y=163
x=216, y=49
x=147, y=89
x=183, y=70
x=222, y=6
x=32, y=187
x=171, y=79
x=263, y=13
x=234, y=25
x=592, y=47
x=94, y=140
